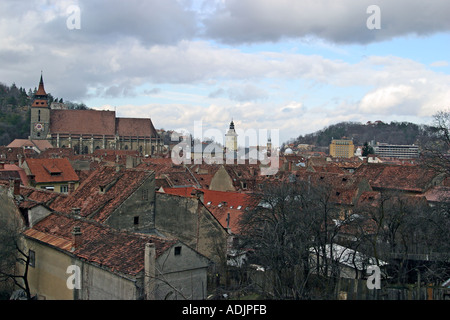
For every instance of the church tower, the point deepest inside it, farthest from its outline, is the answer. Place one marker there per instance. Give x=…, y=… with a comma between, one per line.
x=40, y=114
x=231, y=139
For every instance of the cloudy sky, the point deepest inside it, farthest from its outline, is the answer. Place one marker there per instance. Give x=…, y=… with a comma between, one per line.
x=290, y=65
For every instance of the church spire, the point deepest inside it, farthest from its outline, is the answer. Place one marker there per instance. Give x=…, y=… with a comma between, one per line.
x=232, y=124
x=41, y=90
x=41, y=97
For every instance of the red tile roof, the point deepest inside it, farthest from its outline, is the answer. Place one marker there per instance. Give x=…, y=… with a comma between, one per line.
x=97, y=204
x=135, y=127
x=407, y=178
x=13, y=171
x=226, y=206
x=41, y=196
x=83, y=122
x=119, y=251
x=41, y=145
x=51, y=170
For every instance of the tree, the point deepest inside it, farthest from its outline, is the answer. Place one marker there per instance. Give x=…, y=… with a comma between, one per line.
x=404, y=231
x=435, y=143
x=289, y=233
x=12, y=251
x=366, y=150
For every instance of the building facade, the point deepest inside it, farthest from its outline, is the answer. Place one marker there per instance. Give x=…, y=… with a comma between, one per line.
x=397, y=151
x=87, y=130
x=342, y=148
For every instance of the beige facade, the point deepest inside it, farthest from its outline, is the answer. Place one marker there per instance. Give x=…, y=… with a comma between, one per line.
x=342, y=148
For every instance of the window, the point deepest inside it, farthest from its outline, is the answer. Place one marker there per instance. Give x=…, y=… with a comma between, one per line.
x=32, y=256
x=177, y=251
x=136, y=220
x=144, y=194
x=39, y=115
x=64, y=188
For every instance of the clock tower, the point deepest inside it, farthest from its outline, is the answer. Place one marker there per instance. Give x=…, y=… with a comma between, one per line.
x=40, y=114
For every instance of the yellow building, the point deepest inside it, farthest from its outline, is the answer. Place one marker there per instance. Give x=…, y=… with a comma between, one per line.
x=342, y=148
x=54, y=174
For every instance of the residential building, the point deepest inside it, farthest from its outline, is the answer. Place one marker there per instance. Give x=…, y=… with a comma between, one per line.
x=54, y=174
x=342, y=148
x=80, y=259
x=186, y=217
x=37, y=146
x=119, y=197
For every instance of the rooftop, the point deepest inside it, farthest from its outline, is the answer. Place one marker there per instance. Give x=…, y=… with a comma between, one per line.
x=119, y=251
x=51, y=170
x=103, y=191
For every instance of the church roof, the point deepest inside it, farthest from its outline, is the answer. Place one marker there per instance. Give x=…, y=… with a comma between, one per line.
x=99, y=122
x=83, y=122
x=141, y=127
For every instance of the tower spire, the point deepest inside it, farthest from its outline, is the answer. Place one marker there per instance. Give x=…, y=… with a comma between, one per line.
x=41, y=97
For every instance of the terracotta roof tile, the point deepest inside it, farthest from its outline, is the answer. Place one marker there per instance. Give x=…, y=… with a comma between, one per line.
x=226, y=206
x=103, y=191
x=119, y=251
x=51, y=170
x=83, y=122
x=140, y=127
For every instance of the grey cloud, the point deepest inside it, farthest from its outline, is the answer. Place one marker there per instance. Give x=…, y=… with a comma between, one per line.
x=249, y=21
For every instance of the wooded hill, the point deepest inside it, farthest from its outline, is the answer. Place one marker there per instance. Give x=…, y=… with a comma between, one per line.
x=15, y=105
x=392, y=133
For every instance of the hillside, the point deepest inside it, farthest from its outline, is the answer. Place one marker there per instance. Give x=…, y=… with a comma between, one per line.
x=393, y=133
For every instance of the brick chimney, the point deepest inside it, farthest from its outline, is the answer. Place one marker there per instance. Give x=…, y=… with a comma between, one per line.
x=76, y=237
x=150, y=271
x=14, y=187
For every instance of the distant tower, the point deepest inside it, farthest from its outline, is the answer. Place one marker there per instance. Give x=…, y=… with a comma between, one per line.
x=269, y=147
x=40, y=114
x=231, y=139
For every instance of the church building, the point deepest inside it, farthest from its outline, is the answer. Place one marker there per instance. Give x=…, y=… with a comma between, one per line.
x=87, y=130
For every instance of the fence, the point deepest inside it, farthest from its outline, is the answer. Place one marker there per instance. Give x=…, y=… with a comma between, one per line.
x=356, y=289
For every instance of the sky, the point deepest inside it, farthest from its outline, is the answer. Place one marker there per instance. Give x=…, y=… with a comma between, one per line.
x=289, y=66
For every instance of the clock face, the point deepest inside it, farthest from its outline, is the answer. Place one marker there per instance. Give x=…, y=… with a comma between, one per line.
x=39, y=127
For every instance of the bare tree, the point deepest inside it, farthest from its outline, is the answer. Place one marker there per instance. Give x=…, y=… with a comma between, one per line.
x=404, y=231
x=435, y=146
x=13, y=254
x=289, y=232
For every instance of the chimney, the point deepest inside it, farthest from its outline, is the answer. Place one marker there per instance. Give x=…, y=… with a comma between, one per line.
x=76, y=237
x=71, y=187
x=14, y=187
x=149, y=269
x=199, y=194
